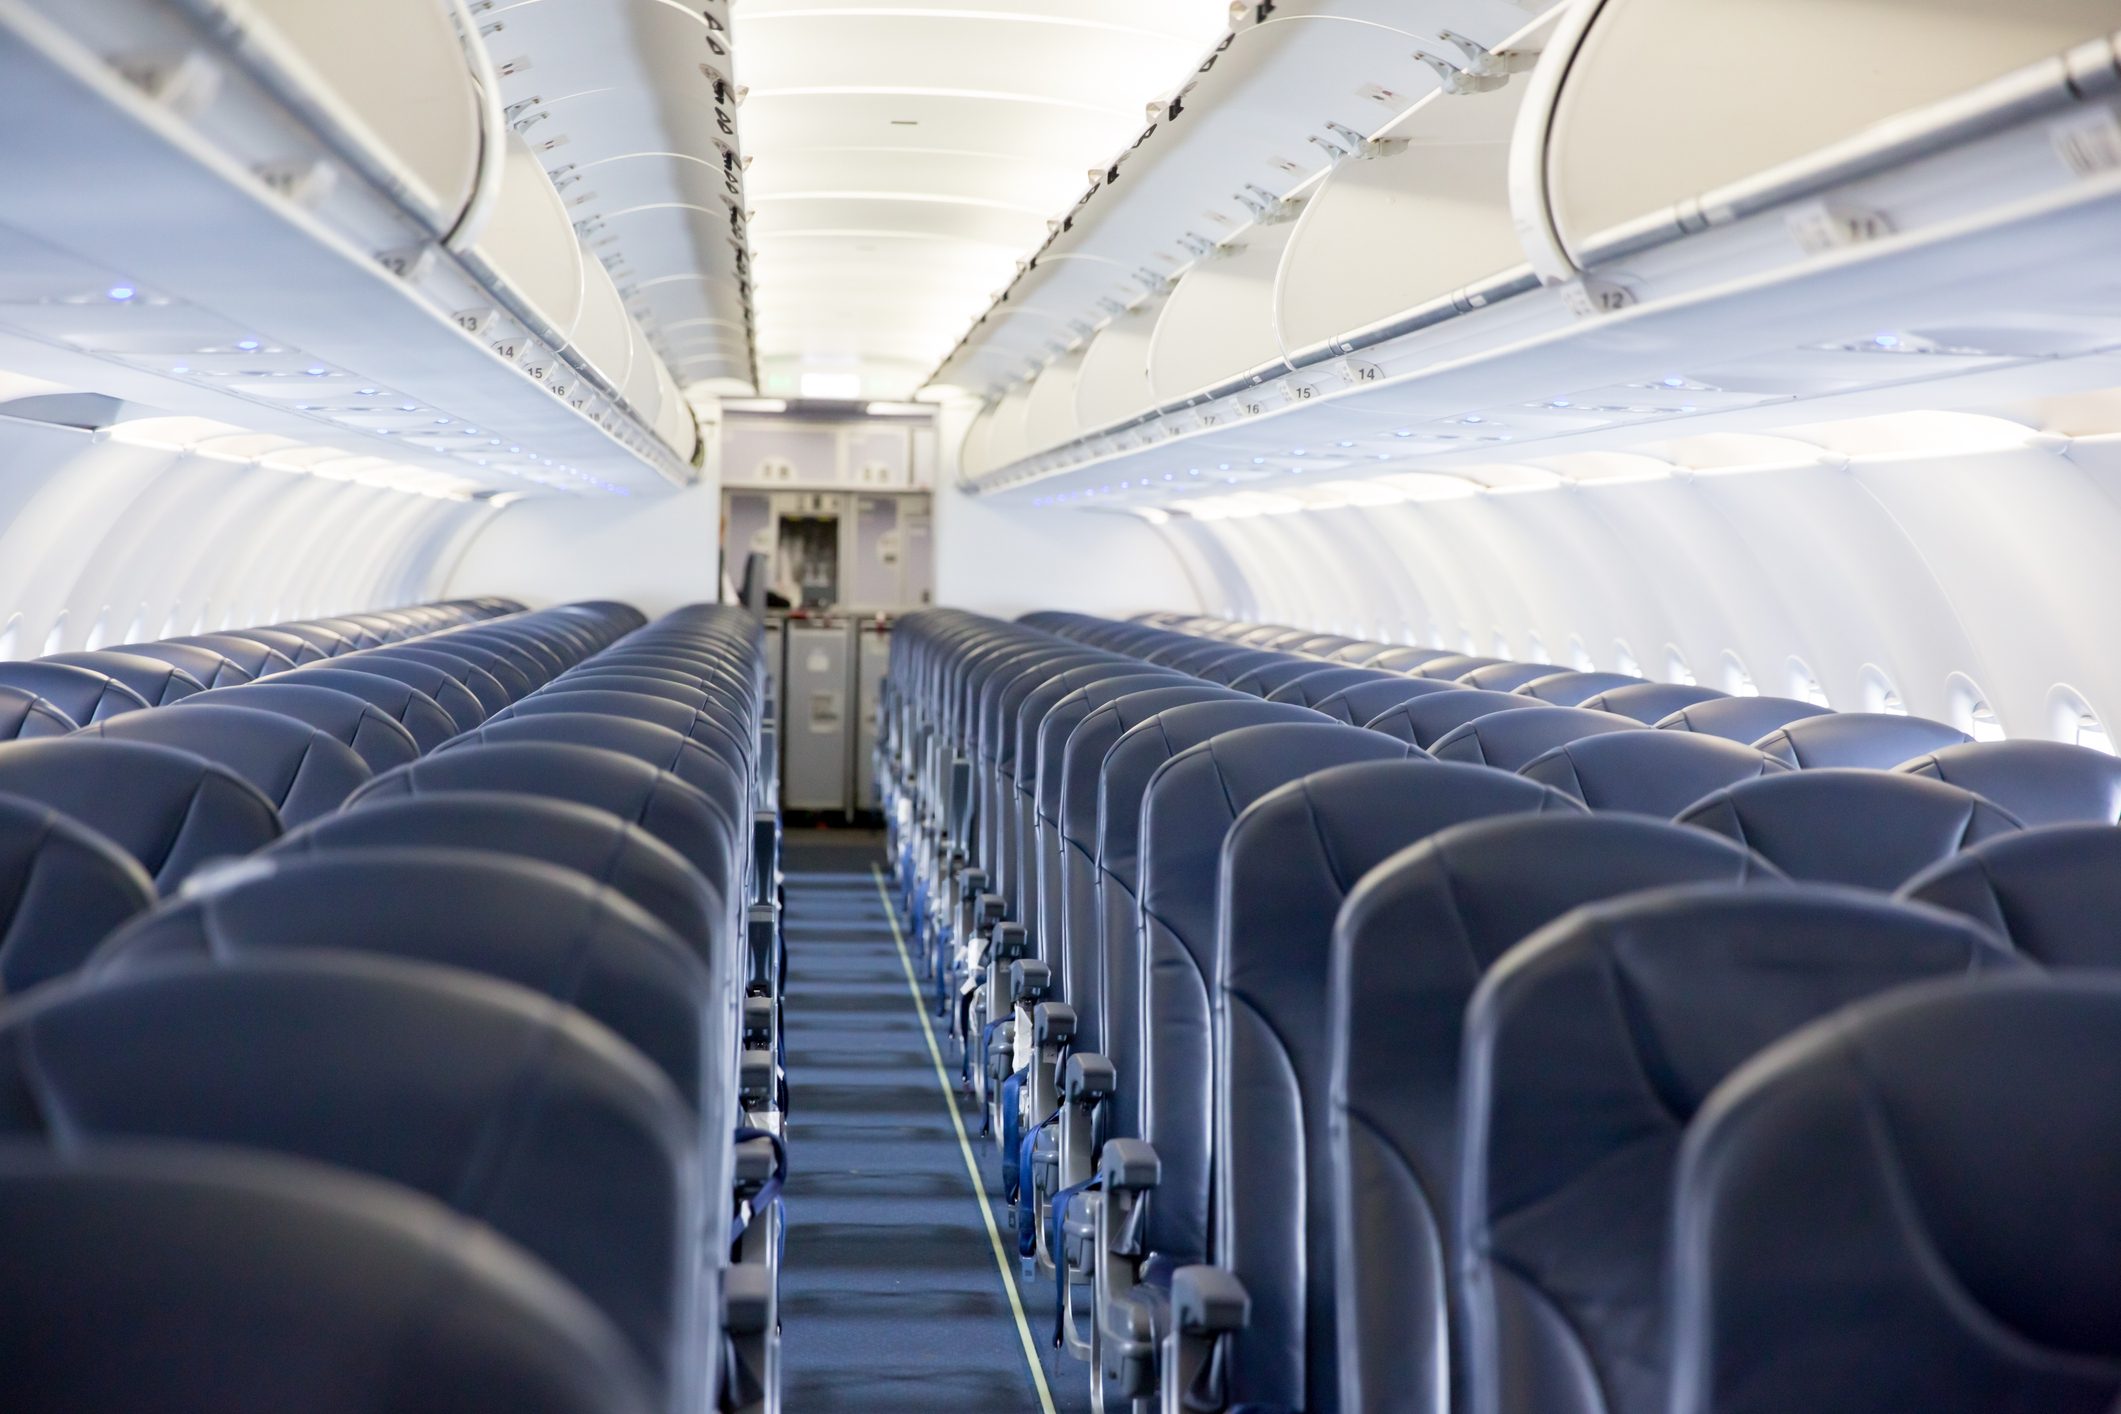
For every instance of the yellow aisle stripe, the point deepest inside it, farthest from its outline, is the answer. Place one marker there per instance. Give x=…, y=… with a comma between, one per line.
x=964, y=1146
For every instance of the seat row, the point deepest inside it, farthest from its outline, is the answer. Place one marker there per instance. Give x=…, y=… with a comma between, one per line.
x=1368, y=1028
x=496, y=1023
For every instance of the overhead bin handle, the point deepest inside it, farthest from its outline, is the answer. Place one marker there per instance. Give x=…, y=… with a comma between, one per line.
x=1531, y=199
x=493, y=135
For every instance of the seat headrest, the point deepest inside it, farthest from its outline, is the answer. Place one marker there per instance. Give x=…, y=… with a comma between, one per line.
x=1265, y=679
x=1509, y=741
x=1648, y=772
x=1869, y=829
x=714, y=775
x=1918, y=1193
x=375, y=736
x=1406, y=659
x=304, y=771
x=171, y=810
x=1364, y=703
x=26, y=715
x=1226, y=669
x=663, y=711
x=491, y=692
x=66, y=888
x=659, y=802
x=593, y=843
x=1571, y=689
x=414, y=710
x=1323, y=681
x=83, y=695
x=1507, y=677
x=210, y=667
x=449, y=694
x=1426, y=720
x=254, y=657
x=1876, y=740
x=159, y=683
x=1451, y=665
x=1053, y=713
x=2054, y=892
x=519, y=920
x=2040, y=782
x=1141, y=752
x=413, y=1074
x=1741, y=719
x=215, y=1240
x=1083, y=753
x=291, y=646
x=1651, y=702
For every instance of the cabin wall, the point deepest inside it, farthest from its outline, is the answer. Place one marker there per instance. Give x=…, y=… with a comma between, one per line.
x=1947, y=581
x=653, y=553
x=107, y=539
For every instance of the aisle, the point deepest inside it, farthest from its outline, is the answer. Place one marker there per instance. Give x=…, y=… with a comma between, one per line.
x=892, y=1298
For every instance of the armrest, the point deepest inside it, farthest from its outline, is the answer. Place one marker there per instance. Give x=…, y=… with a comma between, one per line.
x=758, y=1021
x=755, y=1078
x=1208, y=1301
x=747, y=1298
x=1029, y=979
x=1053, y=1023
x=1088, y=1077
x=1129, y=1166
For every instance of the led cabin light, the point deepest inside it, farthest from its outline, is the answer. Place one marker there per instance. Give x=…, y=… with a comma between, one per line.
x=122, y=293
x=316, y=372
x=247, y=345
x=1472, y=419
x=1887, y=341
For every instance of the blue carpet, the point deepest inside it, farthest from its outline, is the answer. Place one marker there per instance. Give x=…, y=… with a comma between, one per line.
x=891, y=1298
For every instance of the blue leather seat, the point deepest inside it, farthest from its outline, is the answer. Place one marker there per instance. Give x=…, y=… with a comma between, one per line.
x=491, y=692
x=159, y=683
x=1509, y=677
x=1453, y=666
x=1268, y=678
x=303, y=771
x=712, y=726
x=1311, y=688
x=1079, y=960
x=1410, y=945
x=993, y=756
x=171, y=810
x=328, y=641
x=1189, y=807
x=26, y=715
x=673, y=687
x=1910, y=1206
x=566, y=935
x=420, y=1076
x=409, y=707
x=492, y=661
x=1406, y=659
x=1510, y=741
x=82, y=694
x=1572, y=689
x=1652, y=702
x=1647, y=773
x=1366, y=702
x=248, y=1280
x=447, y=692
x=65, y=889
x=1871, y=829
x=2054, y=893
x=2040, y=782
x=1224, y=671
x=293, y=647
x=1288, y=863
x=1360, y=652
x=1424, y=721
x=1196, y=661
x=1129, y=766
x=379, y=739
x=720, y=778
x=1588, y=1050
x=593, y=843
x=1876, y=740
x=1741, y=719
x=209, y=667
x=252, y=656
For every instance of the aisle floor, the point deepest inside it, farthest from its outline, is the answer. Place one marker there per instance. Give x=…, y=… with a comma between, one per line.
x=891, y=1294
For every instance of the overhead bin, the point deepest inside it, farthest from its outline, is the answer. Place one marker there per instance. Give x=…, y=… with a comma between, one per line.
x=1113, y=383
x=1218, y=326
x=1049, y=419
x=1747, y=90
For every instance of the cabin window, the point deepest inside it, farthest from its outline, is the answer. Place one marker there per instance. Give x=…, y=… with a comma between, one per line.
x=1804, y=684
x=11, y=638
x=1676, y=668
x=99, y=631
x=1879, y=694
x=1624, y=659
x=1502, y=644
x=1736, y=680
x=55, y=641
x=1968, y=709
x=2073, y=720
x=1536, y=650
x=1465, y=642
x=1580, y=655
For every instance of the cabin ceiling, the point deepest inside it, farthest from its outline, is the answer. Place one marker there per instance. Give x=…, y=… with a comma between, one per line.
x=906, y=158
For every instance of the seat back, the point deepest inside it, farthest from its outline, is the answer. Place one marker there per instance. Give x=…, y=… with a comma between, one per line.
x=257, y=658
x=447, y=692
x=1226, y=669
x=1741, y=719
x=1572, y=689
x=1409, y=946
x=1508, y=677
x=198, y=1316
x=2054, y=893
x=1122, y=785
x=1267, y=678
x=1424, y=721
x=293, y=647
x=480, y=1095
x=170, y=810
x=1323, y=680
x=209, y=667
x=84, y=695
x=1363, y=703
x=1910, y=1206
x=1188, y=808
x=411, y=708
x=1406, y=659
x=24, y=714
x=1876, y=740
x=65, y=889
x=719, y=778
x=1287, y=864
x=1652, y=702
x=375, y=736
x=2040, y=782
x=1871, y=829
x=158, y=682
x=591, y=842
x=303, y=771
x=1510, y=741
x=491, y=692
x=1647, y=773
x=1588, y=1050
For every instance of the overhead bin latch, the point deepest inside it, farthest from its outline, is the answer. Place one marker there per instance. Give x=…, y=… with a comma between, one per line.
x=1483, y=72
